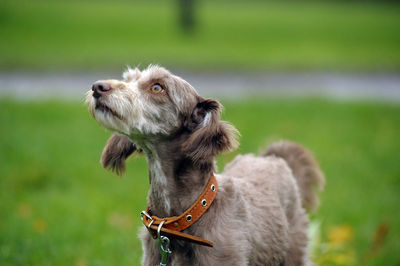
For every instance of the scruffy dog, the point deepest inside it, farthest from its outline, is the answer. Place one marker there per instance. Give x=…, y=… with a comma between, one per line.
x=258, y=216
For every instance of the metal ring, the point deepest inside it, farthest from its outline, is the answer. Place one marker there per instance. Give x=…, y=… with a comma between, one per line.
x=159, y=229
x=151, y=222
x=212, y=187
x=144, y=213
x=204, y=202
x=189, y=218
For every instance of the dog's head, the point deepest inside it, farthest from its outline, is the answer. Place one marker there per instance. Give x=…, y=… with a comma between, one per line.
x=151, y=105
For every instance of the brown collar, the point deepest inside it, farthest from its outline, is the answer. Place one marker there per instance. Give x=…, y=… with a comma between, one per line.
x=173, y=226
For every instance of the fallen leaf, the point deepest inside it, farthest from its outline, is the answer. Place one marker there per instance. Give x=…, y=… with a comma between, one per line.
x=39, y=225
x=340, y=235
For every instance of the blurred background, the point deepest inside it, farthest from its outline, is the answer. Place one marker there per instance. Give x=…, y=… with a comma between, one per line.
x=323, y=73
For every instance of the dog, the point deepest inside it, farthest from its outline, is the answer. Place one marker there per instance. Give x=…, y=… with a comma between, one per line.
x=258, y=216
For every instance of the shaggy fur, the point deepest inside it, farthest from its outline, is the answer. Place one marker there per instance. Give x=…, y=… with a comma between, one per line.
x=258, y=216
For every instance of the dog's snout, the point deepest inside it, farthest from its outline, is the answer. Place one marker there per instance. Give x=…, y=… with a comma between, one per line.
x=99, y=88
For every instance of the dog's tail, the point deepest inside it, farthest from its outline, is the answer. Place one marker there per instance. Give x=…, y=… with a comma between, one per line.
x=308, y=175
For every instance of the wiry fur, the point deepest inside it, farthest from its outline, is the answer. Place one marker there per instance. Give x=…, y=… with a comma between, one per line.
x=257, y=217
x=210, y=134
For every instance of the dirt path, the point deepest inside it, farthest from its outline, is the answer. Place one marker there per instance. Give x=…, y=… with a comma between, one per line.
x=381, y=87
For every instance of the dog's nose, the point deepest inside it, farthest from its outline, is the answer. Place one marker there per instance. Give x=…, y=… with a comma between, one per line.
x=99, y=88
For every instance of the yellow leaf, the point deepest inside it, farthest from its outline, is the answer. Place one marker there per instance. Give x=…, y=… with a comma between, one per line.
x=80, y=262
x=39, y=225
x=339, y=235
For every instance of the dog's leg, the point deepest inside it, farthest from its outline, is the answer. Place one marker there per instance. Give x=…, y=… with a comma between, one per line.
x=297, y=254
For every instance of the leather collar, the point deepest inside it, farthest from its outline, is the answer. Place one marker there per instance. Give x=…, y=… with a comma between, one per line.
x=173, y=226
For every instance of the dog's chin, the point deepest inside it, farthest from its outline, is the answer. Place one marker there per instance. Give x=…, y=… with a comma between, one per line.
x=110, y=122
x=103, y=108
x=108, y=117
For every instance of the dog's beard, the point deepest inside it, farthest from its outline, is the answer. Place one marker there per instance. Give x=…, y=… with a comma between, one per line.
x=99, y=106
x=106, y=115
x=110, y=121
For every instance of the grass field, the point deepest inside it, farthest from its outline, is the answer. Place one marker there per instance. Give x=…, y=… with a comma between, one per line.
x=341, y=35
x=59, y=207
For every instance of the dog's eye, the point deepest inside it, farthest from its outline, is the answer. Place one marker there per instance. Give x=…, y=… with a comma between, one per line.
x=157, y=88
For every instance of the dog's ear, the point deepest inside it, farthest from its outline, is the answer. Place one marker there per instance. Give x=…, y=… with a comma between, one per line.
x=116, y=151
x=208, y=134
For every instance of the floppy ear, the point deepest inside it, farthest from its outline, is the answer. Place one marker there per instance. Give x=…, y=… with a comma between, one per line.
x=117, y=149
x=209, y=136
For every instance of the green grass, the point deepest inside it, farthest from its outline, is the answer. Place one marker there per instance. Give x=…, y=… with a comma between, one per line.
x=59, y=207
x=342, y=35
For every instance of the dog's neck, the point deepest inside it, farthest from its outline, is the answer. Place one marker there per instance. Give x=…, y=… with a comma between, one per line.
x=176, y=181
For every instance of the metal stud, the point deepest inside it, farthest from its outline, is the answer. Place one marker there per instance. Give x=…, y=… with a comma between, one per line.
x=188, y=218
x=213, y=188
x=204, y=202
